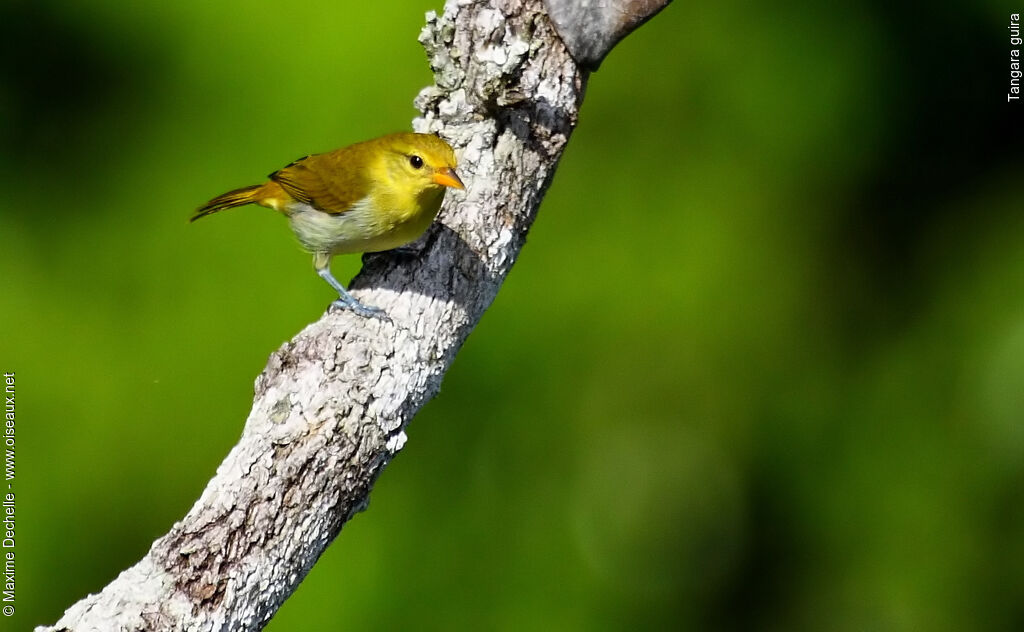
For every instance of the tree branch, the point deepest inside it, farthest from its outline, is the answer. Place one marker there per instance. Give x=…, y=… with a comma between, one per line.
x=591, y=28
x=331, y=406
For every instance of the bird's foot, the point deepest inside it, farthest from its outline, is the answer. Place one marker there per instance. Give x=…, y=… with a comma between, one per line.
x=362, y=309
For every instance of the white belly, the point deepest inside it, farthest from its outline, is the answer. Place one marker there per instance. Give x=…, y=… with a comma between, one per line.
x=356, y=230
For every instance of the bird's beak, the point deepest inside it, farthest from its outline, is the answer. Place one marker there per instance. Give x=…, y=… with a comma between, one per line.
x=447, y=177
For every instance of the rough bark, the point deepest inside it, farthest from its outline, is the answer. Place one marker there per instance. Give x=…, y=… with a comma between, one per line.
x=331, y=406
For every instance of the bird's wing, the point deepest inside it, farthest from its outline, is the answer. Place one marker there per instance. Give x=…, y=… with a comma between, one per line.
x=323, y=181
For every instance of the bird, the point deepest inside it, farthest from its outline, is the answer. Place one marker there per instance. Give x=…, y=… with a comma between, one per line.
x=372, y=196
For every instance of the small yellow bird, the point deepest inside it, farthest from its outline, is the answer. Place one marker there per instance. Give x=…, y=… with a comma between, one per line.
x=372, y=196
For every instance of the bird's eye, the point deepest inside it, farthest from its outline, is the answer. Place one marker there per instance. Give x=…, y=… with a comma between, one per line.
x=416, y=162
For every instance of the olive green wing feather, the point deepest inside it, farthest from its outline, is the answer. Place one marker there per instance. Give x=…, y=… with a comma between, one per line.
x=331, y=182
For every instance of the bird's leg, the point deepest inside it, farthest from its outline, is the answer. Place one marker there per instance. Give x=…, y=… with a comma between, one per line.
x=322, y=263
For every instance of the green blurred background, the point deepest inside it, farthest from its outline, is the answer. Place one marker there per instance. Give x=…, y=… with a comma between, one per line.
x=759, y=367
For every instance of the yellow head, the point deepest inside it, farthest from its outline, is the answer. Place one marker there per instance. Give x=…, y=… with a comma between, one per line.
x=417, y=165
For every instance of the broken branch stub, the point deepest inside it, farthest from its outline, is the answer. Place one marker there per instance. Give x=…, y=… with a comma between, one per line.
x=591, y=28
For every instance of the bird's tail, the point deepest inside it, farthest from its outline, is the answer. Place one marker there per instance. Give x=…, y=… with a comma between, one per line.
x=231, y=199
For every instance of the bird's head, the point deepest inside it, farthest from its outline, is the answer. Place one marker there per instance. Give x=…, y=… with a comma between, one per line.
x=419, y=164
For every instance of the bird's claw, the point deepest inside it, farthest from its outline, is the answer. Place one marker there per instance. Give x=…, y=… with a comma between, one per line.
x=365, y=311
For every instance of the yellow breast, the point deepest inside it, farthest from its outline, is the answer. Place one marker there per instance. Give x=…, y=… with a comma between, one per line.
x=373, y=224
